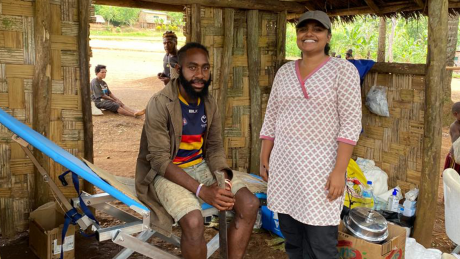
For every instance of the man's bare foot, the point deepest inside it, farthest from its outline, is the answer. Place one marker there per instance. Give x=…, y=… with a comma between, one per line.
x=139, y=113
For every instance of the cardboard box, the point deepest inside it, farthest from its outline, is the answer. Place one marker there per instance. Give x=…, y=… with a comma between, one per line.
x=351, y=247
x=45, y=232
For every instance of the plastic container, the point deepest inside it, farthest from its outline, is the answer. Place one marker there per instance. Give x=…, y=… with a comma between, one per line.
x=393, y=202
x=368, y=196
x=409, y=208
x=270, y=221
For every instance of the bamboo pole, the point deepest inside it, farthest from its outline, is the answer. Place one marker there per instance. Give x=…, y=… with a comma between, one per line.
x=229, y=17
x=196, y=23
x=382, y=40
x=83, y=51
x=254, y=89
x=41, y=86
x=281, y=39
x=436, y=63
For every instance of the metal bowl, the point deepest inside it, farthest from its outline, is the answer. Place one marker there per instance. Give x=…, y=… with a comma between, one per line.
x=366, y=224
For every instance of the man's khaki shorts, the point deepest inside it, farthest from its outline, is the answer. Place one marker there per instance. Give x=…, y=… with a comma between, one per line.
x=179, y=201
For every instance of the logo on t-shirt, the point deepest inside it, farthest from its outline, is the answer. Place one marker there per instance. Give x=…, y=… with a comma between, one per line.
x=184, y=121
x=204, y=120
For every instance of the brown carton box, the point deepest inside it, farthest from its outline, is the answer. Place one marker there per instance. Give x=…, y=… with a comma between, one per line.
x=351, y=247
x=45, y=232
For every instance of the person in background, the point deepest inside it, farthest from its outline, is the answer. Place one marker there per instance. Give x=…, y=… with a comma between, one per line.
x=103, y=98
x=170, y=58
x=454, y=133
x=312, y=123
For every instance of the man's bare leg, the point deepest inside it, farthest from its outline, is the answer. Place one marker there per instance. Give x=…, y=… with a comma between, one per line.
x=193, y=244
x=123, y=111
x=239, y=231
x=134, y=112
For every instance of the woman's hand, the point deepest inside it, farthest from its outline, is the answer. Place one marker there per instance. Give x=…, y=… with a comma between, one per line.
x=264, y=172
x=335, y=185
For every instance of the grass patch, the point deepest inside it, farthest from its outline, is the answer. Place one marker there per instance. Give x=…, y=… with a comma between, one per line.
x=455, y=75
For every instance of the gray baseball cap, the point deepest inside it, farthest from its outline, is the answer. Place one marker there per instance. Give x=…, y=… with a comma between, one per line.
x=319, y=16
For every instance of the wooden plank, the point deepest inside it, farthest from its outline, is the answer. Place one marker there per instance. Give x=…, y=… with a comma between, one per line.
x=63, y=42
x=18, y=8
x=4, y=102
x=255, y=95
x=196, y=23
x=399, y=68
x=41, y=85
x=2, y=39
x=29, y=43
x=56, y=69
x=13, y=39
x=373, y=6
x=227, y=53
x=84, y=77
x=436, y=62
x=69, y=28
x=15, y=93
x=12, y=56
x=281, y=39
x=11, y=23
x=19, y=71
x=56, y=19
x=59, y=101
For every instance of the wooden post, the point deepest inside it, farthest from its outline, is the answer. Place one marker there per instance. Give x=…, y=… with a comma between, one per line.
x=436, y=64
x=83, y=52
x=41, y=85
x=281, y=39
x=196, y=23
x=229, y=17
x=254, y=89
x=382, y=40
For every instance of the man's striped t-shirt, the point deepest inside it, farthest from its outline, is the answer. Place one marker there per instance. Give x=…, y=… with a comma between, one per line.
x=194, y=123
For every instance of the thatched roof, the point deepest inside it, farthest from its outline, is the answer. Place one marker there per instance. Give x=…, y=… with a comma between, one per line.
x=346, y=9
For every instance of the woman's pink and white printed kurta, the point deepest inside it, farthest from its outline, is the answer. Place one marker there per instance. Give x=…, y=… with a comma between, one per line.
x=307, y=118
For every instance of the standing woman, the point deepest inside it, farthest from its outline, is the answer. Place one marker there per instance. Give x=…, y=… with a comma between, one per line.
x=312, y=123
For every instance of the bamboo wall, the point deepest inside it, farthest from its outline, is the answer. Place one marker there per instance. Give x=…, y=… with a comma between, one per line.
x=17, y=59
x=237, y=139
x=395, y=143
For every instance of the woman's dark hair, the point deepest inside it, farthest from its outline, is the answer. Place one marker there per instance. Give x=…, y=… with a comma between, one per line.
x=99, y=68
x=327, y=48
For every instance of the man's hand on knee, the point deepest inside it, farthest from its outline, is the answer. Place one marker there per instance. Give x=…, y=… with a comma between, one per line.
x=221, y=199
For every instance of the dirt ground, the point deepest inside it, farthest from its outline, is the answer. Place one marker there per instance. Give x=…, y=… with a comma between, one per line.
x=132, y=77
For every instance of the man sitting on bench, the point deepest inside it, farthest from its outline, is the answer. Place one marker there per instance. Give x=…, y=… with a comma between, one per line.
x=180, y=147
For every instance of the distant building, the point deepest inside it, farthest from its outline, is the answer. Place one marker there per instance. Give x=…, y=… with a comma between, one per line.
x=99, y=19
x=149, y=19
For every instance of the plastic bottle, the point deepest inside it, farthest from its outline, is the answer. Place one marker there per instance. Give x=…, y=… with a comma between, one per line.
x=368, y=196
x=393, y=201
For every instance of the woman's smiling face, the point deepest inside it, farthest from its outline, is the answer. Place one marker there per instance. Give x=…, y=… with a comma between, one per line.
x=312, y=37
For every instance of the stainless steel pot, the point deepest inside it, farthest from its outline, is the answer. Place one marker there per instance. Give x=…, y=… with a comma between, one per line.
x=366, y=224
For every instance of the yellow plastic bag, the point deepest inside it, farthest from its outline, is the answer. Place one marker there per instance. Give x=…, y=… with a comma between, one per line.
x=356, y=182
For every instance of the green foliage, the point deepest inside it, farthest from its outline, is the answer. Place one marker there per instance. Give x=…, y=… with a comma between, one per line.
x=117, y=15
x=176, y=18
x=409, y=44
x=158, y=28
x=118, y=30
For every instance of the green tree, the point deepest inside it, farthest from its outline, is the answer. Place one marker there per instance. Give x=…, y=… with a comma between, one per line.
x=176, y=18
x=117, y=15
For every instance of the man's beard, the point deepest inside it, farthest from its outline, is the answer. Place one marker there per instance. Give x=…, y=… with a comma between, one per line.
x=187, y=85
